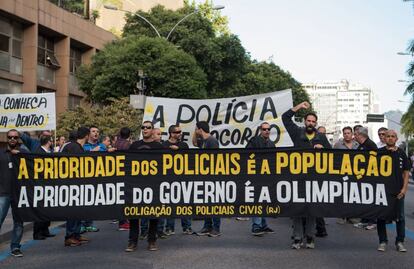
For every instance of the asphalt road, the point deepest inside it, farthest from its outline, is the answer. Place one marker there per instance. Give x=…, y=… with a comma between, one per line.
x=345, y=247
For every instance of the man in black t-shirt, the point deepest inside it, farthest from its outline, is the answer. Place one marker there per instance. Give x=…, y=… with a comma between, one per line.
x=145, y=143
x=174, y=143
x=402, y=172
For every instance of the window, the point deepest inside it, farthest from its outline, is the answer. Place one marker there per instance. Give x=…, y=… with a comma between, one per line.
x=46, y=53
x=8, y=87
x=74, y=101
x=75, y=60
x=11, y=46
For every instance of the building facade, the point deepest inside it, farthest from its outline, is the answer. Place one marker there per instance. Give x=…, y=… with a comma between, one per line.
x=41, y=46
x=340, y=103
x=114, y=20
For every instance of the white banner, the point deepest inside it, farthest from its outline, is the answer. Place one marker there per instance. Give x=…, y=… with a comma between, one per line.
x=233, y=121
x=27, y=112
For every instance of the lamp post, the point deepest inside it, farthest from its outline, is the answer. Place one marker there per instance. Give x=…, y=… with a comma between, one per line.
x=152, y=26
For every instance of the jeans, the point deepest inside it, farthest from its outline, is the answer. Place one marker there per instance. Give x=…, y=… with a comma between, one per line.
x=258, y=223
x=134, y=230
x=303, y=226
x=320, y=226
x=87, y=223
x=144, y=225
x=400, y=225
x=73, y=228
x=212, y=223
x=185, y=224
x=17, y=224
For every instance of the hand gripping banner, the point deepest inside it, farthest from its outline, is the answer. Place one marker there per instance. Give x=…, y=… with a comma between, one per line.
x=201, y=183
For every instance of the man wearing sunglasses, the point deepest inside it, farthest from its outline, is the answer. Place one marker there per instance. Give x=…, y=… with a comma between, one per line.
x=6, y=176
x=382, y=136
x=259, y=225
x=174, y=143
x=147, y=142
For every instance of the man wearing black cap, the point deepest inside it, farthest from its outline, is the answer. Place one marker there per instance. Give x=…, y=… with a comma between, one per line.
x=206, y=141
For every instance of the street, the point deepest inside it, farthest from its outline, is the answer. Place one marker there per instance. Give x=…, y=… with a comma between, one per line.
x=345, y=247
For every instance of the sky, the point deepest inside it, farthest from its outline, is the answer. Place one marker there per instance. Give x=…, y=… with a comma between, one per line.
x=330, y=40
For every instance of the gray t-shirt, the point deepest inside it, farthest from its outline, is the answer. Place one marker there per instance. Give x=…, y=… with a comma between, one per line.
x=210, y=143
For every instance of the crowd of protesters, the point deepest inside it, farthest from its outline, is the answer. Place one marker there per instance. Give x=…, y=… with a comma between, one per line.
x=305, y=228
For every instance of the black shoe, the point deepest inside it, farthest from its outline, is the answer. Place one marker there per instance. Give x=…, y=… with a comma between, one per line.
x=267, y=230
x=17, y=253
x=161, y=235
x=321, y=234
x=258, y=232
x=214, y=233
x=49, y=235
x=204, y=231
x=39, y=237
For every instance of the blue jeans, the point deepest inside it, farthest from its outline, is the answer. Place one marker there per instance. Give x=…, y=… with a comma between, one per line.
x=73, y=228
x=258, y=223
x=144, y=225
x=400, y=225
x=185, y=224
x=17, y=225
x=212, y=223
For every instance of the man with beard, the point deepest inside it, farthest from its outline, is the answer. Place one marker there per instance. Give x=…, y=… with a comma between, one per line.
x=305, y=138
x=6, y=176
x=146, y=143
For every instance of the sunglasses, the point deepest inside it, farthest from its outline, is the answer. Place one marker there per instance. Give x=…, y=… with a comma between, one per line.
x=380, y=134
x=12, y=137
x=146, y=127
x=177, y=132
x=266, y=129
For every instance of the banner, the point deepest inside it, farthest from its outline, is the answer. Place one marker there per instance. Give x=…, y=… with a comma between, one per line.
x=195, y=183
x=27, y=112
x=233, y=121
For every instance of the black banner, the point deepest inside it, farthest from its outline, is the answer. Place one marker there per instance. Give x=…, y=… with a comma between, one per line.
x=194, y=183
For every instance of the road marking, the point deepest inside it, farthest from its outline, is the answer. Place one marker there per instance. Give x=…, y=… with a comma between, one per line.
x=408, y=233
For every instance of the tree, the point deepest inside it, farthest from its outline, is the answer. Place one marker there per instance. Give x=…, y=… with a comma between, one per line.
x=110, y=118
x=113, y=72
x=408, y=118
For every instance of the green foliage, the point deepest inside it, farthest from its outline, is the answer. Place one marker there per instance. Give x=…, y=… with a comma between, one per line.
x=109, y=118
x=75, y=6
x=113, y=73
x=407, y=121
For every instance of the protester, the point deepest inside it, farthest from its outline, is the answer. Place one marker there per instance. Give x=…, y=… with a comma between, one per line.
x=92, y=145
x=321, y=130
x=303, y=138
x=123, y=143
x=41, y=228
x=259, y=224
x=73, y=236
x=347, y=142
x=205, y=140
x=108, y=143
x=146, y=143
x=381, y=134
x=365, y=143
x=402, y=174
x=6, y=176
x=31, y=143
x=174, y=143
x=59, y=143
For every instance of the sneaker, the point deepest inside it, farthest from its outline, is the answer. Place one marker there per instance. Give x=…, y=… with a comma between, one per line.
x=400, y=247
x=360, y=225
x=152, y=246
x=370, y=227
x=242, y=219
x=214, y=233
x=188, y=231
x=267, y=230
x=83, y=240
x=83, y=230
x=72, y=242
x=143, y=236
x=296, y=244
x=16, y=253
x=161, y=235
x=382, y=247
x=169, y=232
x=132, y=246
x=204, y=231
x=123, y=227
x=258, y=232
x=310, y=243
x=92, y=229
x=114, y=221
